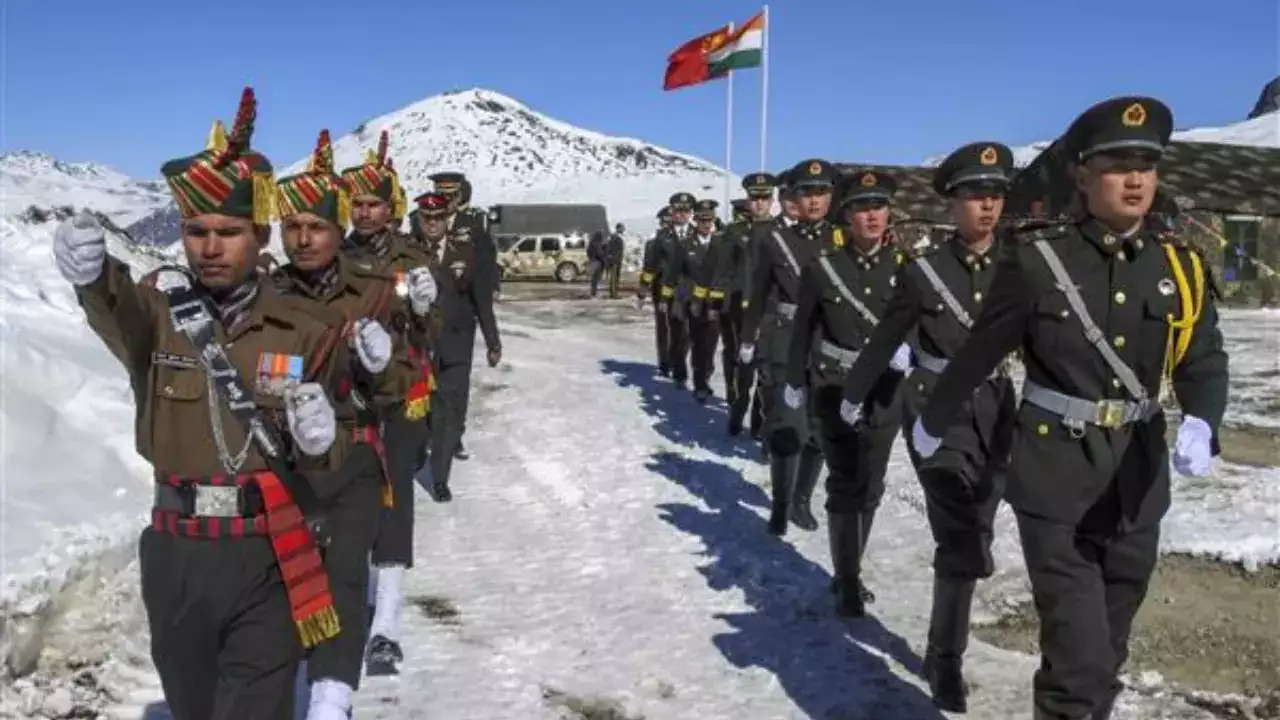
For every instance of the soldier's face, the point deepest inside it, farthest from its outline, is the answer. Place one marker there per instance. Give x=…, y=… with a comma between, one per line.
x=681, y=217
x=790, y=207
x=760, y=207
x=434, y=227
x=706, y=225
x=976, y=212
x=310, y=241
x=869, y=222
x=370, y=214
x=222, y=250
x=1119, y=190
x=815, y=203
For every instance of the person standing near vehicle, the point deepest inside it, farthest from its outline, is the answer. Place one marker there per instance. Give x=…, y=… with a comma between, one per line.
x=613, y=252
x=595, y=260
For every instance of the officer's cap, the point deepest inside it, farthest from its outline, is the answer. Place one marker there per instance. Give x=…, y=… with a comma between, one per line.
x=681, y=201
x=448, y=182
x=664, y=213
x=867, y=187
x=706, y=209
x=983, y=164
x=432, y=204
x=1133, y=123
x=813, y=173
x=759, y=184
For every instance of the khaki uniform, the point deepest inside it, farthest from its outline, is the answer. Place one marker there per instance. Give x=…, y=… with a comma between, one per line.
x=358, y=291
x=223, y=631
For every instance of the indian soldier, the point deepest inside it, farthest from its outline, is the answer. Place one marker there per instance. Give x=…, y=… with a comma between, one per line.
x=613, y=252
x=667, y=244
x=937, y=294
x=469, y=225
x=781, y=252
x=843, y=295
x=688, y=271
x=232, y=383
x=314, y=207
x=465, y=299
x=376, y=199
x=651, y=284
x=751, y=214
x=1104, y=307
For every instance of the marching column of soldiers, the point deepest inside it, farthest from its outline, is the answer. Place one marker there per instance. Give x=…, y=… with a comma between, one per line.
x=849, y=336
x=289, y=409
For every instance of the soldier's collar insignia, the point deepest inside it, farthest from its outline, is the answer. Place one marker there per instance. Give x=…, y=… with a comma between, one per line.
x=869, y=180
x=1134, y=116
x=989, y=156
x=815, y=168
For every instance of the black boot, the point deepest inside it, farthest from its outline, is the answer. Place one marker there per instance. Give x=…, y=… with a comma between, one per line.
x=1103, y=711
x=868, y=517
x=782, y=471
x=845, y=537
x=382, y=657
x=807, y=472
x=948, y=638
x=460, y=452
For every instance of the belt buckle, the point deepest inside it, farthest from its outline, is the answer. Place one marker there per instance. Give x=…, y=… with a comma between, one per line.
x=217, y=500
x=1111, y=414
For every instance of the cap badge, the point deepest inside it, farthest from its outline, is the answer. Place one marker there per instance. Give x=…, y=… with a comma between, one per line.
x=1134, y=116
x=815, y=168
x=989, y=156
x=869, y=180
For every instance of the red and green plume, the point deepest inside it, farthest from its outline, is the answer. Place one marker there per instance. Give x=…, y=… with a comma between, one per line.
x=377, y=177
x=227, y=177
x=317, y=190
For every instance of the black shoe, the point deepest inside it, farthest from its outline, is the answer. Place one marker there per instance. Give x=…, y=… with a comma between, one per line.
x=682, y=383
x=781, y=473
x=865, y=593
x=807, y=471
x=948, y=639
x=946, y=682
x=844, y=533
x=460, y=452
x=702, y=395
x=440, y=493
x=664, y=371
x=735, y=426
x=382, y=657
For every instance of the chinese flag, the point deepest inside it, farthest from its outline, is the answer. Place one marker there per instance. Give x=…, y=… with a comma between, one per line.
x=688, y=64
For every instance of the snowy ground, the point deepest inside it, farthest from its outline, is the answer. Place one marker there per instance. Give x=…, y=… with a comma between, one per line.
x=607, y=540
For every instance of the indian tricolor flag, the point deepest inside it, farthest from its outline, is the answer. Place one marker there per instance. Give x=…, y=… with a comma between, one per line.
x=743, y=49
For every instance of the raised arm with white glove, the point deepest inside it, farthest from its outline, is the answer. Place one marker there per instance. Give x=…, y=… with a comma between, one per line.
x=372, y=344
x=80, y=249
x=421, y=285
x=311, y=418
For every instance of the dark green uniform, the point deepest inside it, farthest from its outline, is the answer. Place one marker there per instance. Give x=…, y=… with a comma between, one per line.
x=690, y=265
x=1100, y=318
x=651, y=285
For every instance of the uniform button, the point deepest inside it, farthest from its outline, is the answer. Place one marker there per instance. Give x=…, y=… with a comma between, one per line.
x=1042, y=429
x=1119, y=296
x=1115, y=382
x=1108, y=239
x=978, y=296
x=866, y=291
x=168, y=389
x=1065, y=313
x=1119, y=341
x=1122, y=255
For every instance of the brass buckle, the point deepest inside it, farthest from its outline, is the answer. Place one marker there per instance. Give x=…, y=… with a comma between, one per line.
x=217, y=501
x=1111, y=414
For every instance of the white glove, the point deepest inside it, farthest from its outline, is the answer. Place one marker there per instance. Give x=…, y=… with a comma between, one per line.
x=80, y=249
x=1192, y=452
x=901, y=360
x=372, y=344
x=850, y=412
x=312, y=421
x=422, y=289
x=924, y=443
x=793, y=397
x=746, y=352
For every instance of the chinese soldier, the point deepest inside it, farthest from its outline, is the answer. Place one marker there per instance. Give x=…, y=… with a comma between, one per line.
x=314, y=208
x=376, y=199
x=843, y=294
x=936, y=295
x=233, y=385
x=781, y=253
x=690, y=267
x=651, y=284
x=1104, y=307
x=667, y=244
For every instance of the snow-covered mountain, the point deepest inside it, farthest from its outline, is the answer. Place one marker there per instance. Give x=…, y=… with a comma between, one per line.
x=1262, y=131
x=512, y=154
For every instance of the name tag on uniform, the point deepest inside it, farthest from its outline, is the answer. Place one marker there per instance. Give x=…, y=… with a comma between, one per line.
x=181, y=362
x=278, y=373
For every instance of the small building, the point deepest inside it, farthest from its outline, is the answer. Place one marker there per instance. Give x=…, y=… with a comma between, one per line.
x=1223, y=198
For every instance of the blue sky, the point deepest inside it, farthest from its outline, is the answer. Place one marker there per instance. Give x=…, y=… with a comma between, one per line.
x=136, y=82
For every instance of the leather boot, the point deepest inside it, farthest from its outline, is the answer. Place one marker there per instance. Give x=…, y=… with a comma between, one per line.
x=845, y=535
x=782, y=470
x=948, y=638
x=807, y=472
x=867, y=518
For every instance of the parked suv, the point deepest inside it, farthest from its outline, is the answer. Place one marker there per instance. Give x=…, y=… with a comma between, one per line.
x=563, y=257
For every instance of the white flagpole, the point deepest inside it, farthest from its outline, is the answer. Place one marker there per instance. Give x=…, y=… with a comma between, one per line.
x=764, y=93
x=728, y=144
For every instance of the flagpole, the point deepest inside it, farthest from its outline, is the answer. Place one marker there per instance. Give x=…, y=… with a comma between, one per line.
x=728, y=142
x=764, y=92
